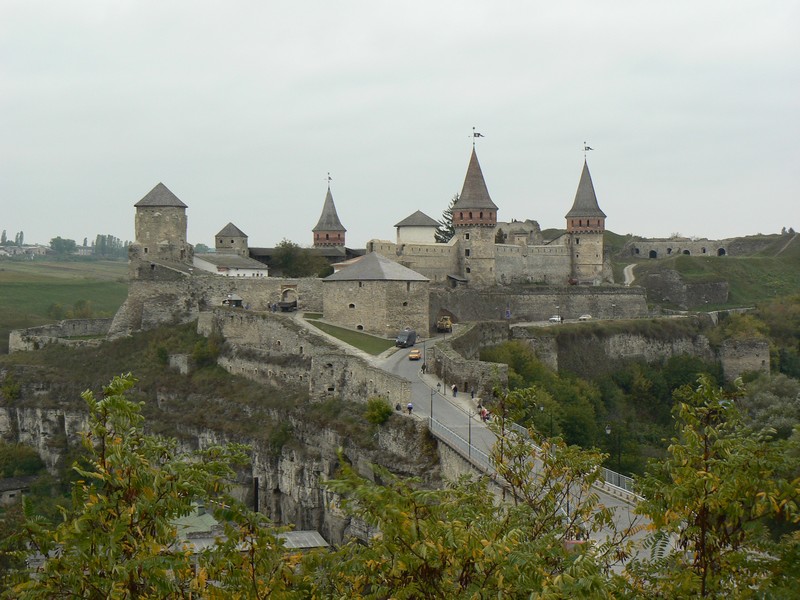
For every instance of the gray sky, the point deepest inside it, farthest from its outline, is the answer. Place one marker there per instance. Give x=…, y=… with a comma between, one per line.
x=241, y=108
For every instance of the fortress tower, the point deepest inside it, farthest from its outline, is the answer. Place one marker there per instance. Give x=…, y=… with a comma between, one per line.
x=231, y=240
x=474, y=221
x=161, y=227
x=586, y=224
x=329, y=230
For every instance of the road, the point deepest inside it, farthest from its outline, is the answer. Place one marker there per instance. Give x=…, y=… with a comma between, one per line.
x=459, y=414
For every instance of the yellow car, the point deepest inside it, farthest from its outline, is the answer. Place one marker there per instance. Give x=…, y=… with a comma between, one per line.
x=415, y=355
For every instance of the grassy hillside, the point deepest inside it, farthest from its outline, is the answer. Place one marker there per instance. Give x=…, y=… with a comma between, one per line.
x=28, y=290
x=773, y=272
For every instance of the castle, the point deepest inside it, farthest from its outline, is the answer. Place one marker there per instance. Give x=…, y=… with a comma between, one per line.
x=482, y=252
x=478, y=253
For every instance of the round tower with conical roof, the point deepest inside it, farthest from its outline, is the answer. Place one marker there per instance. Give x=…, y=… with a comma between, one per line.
x=474, y=221
x=586, y=224
x=329, y=230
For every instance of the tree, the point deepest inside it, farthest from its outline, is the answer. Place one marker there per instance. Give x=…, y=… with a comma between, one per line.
x=201, y=249
x=290, y=260
x=61, y=246
x=445, y=231
x=3, y=238
x=119, y=538
x=19, y=238
x=720, y=488
x=460, y=542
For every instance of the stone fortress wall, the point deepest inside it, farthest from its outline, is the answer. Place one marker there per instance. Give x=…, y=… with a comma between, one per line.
x=180, y=299
x=273, y=347
x=34, y=338
x=537, y=303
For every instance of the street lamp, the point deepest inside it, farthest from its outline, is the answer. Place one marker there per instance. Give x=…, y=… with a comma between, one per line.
x=550, y=416
x=438, y=391
x=619, y=448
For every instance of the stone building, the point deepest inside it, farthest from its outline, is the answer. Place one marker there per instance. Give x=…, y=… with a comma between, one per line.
x=161, y=228
x=482, y=254
x=231, y=240
x=376, y=295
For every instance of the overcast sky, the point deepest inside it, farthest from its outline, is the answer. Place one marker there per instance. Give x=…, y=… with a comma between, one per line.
x=241, y=108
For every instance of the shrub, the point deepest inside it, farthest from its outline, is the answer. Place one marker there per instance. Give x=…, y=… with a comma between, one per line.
x=378, y=411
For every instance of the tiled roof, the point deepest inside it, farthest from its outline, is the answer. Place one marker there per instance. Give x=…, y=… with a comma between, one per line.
x=231, y=230
x=329, y=220
x=585, y=204
x=160, y=196
x=418, y=219
x=374, y=267
x=474, y=194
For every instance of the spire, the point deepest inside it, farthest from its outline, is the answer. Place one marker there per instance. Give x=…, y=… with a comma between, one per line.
x=329, y=220
x=329, y=230
x=474, y=194
x=585, y=204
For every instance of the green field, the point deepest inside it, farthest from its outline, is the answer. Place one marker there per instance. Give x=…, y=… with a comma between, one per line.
x=28, y=290
x=363, y=341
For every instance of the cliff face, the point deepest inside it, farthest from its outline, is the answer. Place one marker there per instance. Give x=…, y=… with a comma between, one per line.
x=288, y=480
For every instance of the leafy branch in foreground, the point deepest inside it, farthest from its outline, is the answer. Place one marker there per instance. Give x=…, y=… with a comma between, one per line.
x=120, y=540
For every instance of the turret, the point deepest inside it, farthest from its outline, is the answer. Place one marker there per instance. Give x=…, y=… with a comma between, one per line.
x=586, y=224
x=329, y=230
x=474, y=221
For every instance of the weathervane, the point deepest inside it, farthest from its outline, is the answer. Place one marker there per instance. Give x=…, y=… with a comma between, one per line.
x=475, y=134
x=329, y=178
x=586, y=149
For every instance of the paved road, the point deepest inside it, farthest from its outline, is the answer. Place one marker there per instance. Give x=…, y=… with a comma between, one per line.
x=459, y=414
x=628, y=272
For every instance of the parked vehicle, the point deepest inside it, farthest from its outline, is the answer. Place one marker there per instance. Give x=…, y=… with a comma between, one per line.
x=406, y=338
x=556, y=319
x=585, y=318
x=444, y=324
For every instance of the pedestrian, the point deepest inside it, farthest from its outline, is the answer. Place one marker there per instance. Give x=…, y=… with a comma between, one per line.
x=472, y=393
x=410, y=407
x=455, y=390
x=424, y=368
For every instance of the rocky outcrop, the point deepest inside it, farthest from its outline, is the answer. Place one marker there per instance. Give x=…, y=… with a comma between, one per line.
x=288, y=479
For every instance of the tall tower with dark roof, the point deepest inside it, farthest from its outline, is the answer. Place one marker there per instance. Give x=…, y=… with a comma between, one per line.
x=161, y=227
x=586, y=224
x=474, y=221
x=329, y=230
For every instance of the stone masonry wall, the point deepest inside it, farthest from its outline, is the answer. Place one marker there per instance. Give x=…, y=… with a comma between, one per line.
x=274, y=347
x=37, y=337
x=465, y=370
x=379, y=307
x=667, y=286
x=153, y=303
x=537, y=303
x=742, y=356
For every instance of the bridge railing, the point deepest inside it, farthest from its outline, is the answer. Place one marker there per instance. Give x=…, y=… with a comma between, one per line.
x=481, y=460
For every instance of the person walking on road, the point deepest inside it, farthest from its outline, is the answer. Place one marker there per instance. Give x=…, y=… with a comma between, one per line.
x=410, y=407
x=455, y=390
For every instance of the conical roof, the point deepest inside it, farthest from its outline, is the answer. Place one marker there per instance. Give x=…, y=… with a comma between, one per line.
x=329, y=220
x=585, y=204
x=160, y=196
x=474, y=194
x=418, y=219
x=231, y=230
x=375, y=267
